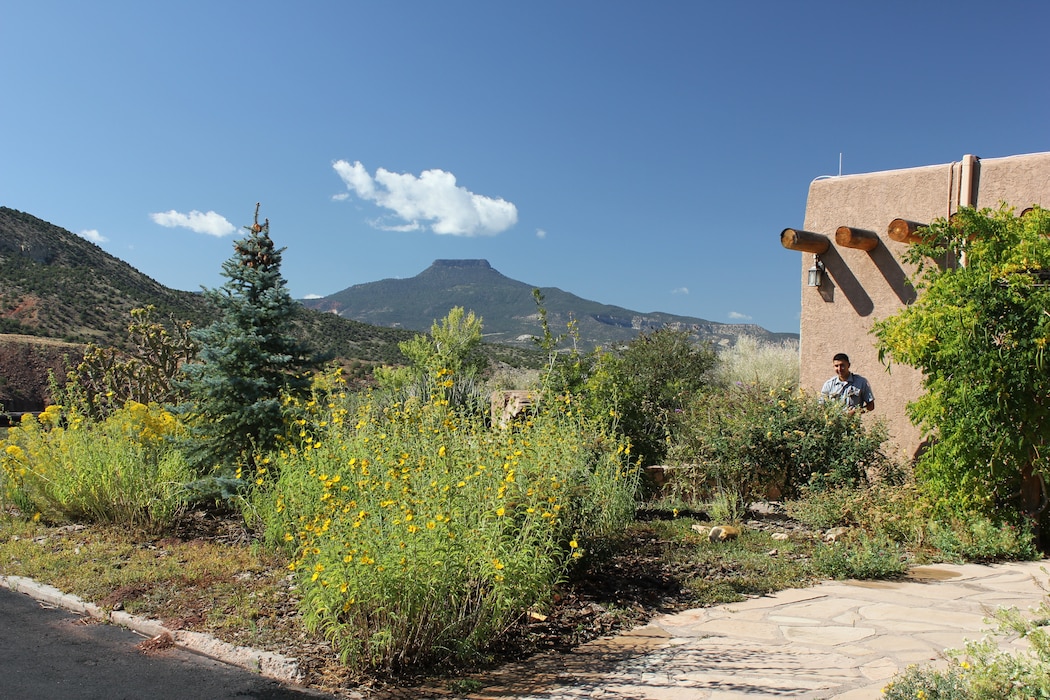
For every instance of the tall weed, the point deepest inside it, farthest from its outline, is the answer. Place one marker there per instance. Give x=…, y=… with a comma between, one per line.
x=750, y=361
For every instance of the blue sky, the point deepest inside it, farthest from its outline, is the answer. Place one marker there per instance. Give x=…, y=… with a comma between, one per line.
x=644, y=154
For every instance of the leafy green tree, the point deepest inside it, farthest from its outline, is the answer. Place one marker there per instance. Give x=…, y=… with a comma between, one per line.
x=449, y=348
x=979, y=331
x=248, y=358
x=657, y=376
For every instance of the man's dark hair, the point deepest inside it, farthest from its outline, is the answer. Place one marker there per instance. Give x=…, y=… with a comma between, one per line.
x=841, y=356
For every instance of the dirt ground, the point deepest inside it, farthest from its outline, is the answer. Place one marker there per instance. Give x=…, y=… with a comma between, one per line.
x=25, y=362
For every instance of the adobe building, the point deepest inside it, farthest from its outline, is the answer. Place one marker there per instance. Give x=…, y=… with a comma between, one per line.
x=855, y=230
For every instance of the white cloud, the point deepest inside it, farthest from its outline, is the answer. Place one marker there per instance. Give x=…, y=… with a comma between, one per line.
x=210, y=223
x=313, y=296
x=93, y=236
x=378, y=223
x=433, y=199
x=680, y=290
x=737, y=316
x=540, y=233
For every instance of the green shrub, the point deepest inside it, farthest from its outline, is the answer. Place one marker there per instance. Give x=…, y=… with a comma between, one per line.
x=762, y=442
x=826, y=508
x=899, y=512
x=861, y=557
x=122, y=470
x=421, y=534
x=656, y=376
x=976, y=538
x=907, y=515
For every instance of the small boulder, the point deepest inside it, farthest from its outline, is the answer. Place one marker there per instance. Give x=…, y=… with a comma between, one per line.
x=835, y=534
x=722, y=533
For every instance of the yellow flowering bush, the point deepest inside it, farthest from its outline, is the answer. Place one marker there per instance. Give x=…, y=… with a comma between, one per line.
x=421, y=533
x=124, y=469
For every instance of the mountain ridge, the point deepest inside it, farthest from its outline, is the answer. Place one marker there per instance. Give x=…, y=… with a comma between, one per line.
x=508, y=308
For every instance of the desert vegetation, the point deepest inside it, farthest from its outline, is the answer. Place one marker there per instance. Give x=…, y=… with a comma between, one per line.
x=420, y=532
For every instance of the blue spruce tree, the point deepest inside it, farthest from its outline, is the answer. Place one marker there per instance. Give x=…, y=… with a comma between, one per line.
x=248, y=358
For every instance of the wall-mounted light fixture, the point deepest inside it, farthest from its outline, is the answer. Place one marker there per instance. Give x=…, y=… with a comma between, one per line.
x=816, y=273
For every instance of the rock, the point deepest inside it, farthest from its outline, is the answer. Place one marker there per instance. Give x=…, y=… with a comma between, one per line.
x=780, y=536
x=722, y=533
x=508, y=405
x=835, y=534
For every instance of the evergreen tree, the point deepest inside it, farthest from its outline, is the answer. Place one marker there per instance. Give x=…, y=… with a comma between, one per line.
x=248, y=358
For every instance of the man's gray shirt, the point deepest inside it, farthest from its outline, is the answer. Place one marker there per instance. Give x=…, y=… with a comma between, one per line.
x=854, y=392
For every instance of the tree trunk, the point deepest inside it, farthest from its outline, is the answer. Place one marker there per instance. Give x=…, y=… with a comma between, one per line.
x=1033, y=501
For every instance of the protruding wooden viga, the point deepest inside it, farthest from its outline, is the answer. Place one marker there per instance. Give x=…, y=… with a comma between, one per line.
x=807, y=242
x=904, y=231
x=856, y=238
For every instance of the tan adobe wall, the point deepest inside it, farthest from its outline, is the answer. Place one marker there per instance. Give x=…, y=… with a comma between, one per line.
x=860, y=286
x=1020, y=181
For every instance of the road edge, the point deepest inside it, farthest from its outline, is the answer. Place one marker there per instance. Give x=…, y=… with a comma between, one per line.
x=265, y=663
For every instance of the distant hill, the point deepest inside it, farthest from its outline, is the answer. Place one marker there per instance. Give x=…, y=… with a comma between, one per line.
x=59, y=291
x=509, y=310
x=55, y=284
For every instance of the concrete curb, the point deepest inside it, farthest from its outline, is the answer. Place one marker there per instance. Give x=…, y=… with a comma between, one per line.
x=265, y=663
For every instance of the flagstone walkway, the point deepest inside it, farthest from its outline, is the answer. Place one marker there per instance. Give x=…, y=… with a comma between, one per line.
x=843, y=639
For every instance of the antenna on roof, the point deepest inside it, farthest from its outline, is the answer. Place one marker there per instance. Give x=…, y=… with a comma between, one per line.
x=827, y=177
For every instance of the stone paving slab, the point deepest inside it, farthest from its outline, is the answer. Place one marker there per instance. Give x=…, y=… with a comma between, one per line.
x=842, y=640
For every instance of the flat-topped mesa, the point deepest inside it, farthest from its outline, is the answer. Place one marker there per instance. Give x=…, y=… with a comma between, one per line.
x=462, y=263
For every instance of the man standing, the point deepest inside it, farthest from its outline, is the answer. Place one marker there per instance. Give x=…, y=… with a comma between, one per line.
x=851, y=389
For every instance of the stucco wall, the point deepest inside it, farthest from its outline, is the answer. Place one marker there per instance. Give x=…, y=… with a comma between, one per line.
x=1020, y=181
x=860, y=287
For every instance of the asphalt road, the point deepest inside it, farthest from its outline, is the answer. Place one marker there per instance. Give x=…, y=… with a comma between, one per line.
x=51, y=654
